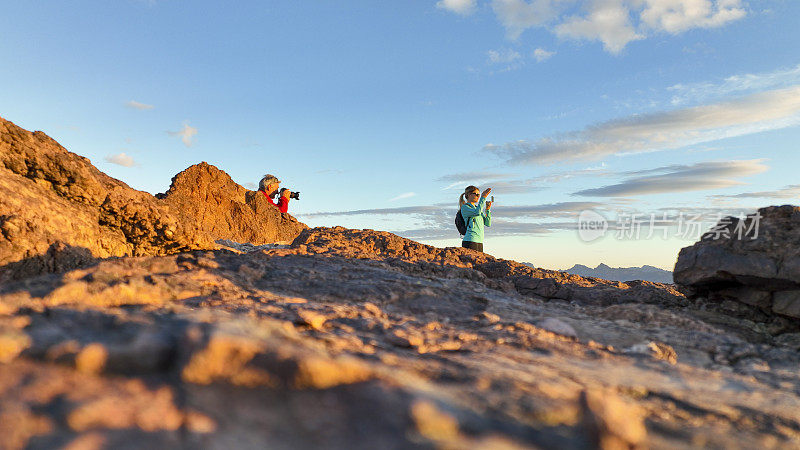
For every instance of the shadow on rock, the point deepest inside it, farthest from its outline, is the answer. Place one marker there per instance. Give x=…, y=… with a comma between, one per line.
x=59, y=258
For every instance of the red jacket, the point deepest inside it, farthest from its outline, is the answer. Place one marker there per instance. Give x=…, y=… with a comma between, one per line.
x=283, y=202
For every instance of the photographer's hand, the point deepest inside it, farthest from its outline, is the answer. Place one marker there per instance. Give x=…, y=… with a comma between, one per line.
x=286, y=194
x=488, y=205
x=486, y=192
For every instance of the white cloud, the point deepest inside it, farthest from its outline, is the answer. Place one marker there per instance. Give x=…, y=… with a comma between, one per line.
x=755, y=113
x=462, y=7
x=541, y=54
x=506, y=56
x=676, y=16
x=615, y=23
x=140, y=106
x=187, y=134
x=402, y=196
x=608, y=21
x=121, y=159
x=682, y=178
x=519, y=15
x=685, y=93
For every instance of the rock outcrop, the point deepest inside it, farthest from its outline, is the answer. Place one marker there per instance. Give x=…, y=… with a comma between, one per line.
x=215, y=205
x=57, y=211
x=755, y=261
x=362, y=339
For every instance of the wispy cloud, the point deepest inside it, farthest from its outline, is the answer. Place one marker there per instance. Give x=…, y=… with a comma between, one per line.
x=791, y=191
x=615, y=23
x=140, y=106
x=402, y=196
x=406, y=210
x=681, y=178
x=541, y=54
x=187, y=134
x=499, y=228
x=504, y=183
x=736, y=84
x=462, y=7
x=120, y=159
x=504, y=56
x=555, y=177
x=466, y=177
x=755, y=113
x=330, y=171
x=553, y=210
x=528, y=186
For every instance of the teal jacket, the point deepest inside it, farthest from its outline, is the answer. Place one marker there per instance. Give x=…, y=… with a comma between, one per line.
x=476, y=218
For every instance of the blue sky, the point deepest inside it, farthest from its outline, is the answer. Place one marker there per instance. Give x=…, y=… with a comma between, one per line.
x=380, y=113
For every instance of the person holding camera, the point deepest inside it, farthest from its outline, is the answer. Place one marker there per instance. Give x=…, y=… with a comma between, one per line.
x=270, y=186
x=477, y=213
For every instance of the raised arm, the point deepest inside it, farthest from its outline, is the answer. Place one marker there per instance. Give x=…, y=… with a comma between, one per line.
x=468, y=211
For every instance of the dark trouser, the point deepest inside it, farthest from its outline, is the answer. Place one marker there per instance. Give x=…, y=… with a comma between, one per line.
x=472, y=245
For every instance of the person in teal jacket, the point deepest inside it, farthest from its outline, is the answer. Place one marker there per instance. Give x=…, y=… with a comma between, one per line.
x=477, y=213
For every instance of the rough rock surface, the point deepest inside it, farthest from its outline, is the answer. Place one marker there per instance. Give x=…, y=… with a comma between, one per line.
x=214, y=204
x=760, y=270
x=362, y=339
x=57, y=211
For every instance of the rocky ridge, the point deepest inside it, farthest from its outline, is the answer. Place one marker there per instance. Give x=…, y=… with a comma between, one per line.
x=57, y=211
x=648, y=273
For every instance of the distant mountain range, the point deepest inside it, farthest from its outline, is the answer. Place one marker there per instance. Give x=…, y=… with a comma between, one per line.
x=648, y=273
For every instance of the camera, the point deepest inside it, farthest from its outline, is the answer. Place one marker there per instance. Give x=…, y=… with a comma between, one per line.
x=294, y=195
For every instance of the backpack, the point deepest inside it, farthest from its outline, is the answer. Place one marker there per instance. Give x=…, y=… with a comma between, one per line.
x=461, y=224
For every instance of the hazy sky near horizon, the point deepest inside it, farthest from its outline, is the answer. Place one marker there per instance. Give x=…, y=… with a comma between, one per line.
x=380, y=113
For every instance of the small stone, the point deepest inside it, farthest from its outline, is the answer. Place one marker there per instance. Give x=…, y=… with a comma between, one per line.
x=610, y=422
x=11, y=345
x=91, y=359
x=403, y=338
x=657, y=350
x=199, y=423
x=373, y=309
x=312, y=318
x=487, y=317
x=558, y=327
x=432, y=423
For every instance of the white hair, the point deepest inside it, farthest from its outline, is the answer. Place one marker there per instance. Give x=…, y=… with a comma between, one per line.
x=266, y=181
